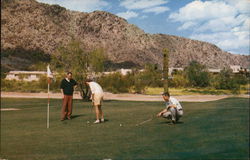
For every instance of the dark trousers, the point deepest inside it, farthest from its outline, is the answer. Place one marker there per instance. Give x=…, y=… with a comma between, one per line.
x=67, y=106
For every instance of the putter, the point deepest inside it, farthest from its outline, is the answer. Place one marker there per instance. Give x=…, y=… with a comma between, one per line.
x=148, y=120
x=89, y=122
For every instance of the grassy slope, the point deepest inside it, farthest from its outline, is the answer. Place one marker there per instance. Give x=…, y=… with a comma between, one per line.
x=208, y=130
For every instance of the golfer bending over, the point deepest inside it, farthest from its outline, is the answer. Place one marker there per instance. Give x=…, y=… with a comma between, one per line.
x=97, y=98
x=173, y=109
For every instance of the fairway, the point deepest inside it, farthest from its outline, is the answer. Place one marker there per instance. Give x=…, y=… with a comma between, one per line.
x=208, y=130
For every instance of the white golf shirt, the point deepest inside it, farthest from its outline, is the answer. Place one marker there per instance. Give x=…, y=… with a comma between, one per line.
x=174, y=101
x=95, y=88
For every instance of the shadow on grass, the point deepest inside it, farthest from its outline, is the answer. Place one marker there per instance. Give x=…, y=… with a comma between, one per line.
x=106, y=120
x=170, y=123
x=76, y=116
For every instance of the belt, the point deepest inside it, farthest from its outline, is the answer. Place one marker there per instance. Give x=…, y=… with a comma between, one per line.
x=179, y=109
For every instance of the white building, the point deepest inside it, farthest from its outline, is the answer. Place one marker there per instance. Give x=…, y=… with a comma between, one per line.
x=214, y=70
x=172, y=69
x=125, y=71
x=25, y=75
x=236, y=68
x=122, y=71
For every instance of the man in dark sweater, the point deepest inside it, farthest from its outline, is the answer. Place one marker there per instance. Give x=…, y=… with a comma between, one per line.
x=67, y=88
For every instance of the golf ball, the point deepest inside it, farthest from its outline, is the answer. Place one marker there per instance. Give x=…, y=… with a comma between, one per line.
x=120, y=125
x=87, y=121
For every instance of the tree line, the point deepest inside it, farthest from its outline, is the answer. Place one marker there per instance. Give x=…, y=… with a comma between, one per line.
x=90, y=64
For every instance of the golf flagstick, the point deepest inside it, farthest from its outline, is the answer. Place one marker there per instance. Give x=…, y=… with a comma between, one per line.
x=48, y=106
x=49, y=76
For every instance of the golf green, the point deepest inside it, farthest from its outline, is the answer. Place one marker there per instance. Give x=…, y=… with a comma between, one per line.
x=208, y=130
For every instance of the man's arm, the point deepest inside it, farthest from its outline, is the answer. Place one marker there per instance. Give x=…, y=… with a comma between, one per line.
x=171, y=105
x=62, y=93
x=75, y=85
x=160, y=113
x=61, y=87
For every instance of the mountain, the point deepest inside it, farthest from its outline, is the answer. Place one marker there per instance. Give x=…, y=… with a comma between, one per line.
x=31, y=31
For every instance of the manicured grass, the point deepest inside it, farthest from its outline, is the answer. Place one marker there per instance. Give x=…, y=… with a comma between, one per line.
x=194, y=91
x=210, y=130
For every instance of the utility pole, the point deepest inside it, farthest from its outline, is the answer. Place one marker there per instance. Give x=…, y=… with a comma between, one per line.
x=165, y=69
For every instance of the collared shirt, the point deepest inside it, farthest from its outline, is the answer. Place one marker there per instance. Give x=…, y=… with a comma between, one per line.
x=95, y=88
x=68, y=86
x=67, y=79
x=174, y=101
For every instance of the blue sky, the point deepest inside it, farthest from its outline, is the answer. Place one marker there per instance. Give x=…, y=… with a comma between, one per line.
x=225, y=23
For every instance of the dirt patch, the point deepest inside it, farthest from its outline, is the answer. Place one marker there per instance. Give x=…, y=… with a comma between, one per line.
x=9, y=109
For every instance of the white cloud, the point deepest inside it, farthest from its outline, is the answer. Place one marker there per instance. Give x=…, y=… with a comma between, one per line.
x=143, y=17
x=226, y=40
x=219, y=24
x=241, y=5
x=142, y=4
x=156, y=10
x=147, y=6
x=202, y=11
x=127, y=15
x=222, y=22
x=79, y=5
x=187, y=25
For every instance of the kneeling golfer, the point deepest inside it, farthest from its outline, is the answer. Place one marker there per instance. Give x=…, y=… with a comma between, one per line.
x=173, y=109
x=97, y=98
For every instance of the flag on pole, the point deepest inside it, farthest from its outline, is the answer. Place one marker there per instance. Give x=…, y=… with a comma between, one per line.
x=49, y=76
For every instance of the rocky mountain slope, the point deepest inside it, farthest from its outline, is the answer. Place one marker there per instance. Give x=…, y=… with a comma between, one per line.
x=31, y=27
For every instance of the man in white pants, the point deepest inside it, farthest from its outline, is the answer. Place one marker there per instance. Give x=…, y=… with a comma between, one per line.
x=173, y=109
x=97, y=98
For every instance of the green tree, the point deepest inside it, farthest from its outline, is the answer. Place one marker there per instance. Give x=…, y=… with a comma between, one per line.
x=81, y=63
x=227, y=80
x=140, y=82
x=178, y=80
x=115, y=83
x=197, y=74
x=151, y=76
x=97, y=59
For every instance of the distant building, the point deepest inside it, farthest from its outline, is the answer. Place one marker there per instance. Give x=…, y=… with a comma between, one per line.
x=172, y=69
x=236, y=68
x=106, y=73
x=125, y=71
x=25, y=75
x=35, y=75
x=214, y=70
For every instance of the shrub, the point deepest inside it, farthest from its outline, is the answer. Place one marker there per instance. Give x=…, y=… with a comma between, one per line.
x=226, y=80
x=178, y=81
x=33, y=86
x=115, y=83
x=241, y=78
x=140, y=82
x=197, y=74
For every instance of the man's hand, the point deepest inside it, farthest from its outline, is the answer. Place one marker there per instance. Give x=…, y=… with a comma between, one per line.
x=75, y=86
x=62, y=93
x=159, y=114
